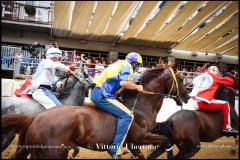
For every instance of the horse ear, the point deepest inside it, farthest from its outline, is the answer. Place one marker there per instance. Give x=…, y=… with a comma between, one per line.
x=175, y=66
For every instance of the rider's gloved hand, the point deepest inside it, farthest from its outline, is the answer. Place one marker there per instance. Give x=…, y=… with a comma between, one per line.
x=139, y=88
x=70, y=71
x=72, y=67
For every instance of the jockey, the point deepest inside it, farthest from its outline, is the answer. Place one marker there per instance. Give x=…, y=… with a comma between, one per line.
x=202, y=95
x=45, y=76
x=112, y=80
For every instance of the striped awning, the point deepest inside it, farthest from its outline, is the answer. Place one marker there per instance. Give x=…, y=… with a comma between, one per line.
x=198, y=26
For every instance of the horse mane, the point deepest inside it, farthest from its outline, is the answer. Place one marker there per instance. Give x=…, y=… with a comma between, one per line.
x=66, y=87
x=151, y=74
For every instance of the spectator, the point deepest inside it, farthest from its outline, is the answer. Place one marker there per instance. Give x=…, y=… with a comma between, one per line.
x=19, y=56
x=11, y=59
x=54, y=45
x=66, y=57
x=19, y=69
x=110, y=61
x=204, y=68
x=184, y=73
x=99, y=68
x=42, y=55
x=102, y=59
x=89, y=65
x=104, y=63
x=161, y=61
x=78, y=58
x=187, y=81
x=83, y=63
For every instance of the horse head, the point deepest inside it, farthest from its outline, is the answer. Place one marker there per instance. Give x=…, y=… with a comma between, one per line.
x=72, y=90
x=181, y=90
x=231, y=92
x=234, y=76
x=167, y=83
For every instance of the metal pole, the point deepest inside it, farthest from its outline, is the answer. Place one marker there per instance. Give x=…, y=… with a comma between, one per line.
x=52, y=20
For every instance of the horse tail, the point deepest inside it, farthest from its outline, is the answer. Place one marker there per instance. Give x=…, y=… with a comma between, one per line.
x=16, y=123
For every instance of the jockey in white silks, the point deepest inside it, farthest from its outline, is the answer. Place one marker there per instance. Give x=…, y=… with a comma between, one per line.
x=45, y=77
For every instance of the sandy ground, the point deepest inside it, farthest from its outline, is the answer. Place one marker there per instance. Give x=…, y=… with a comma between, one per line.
x=220, y=149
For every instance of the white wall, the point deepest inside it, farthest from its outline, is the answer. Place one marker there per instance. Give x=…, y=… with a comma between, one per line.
x=9, y=86
x=169, y=107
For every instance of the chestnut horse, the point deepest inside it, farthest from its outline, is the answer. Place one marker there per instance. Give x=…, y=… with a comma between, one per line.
x=49, y=132
x=187, y=128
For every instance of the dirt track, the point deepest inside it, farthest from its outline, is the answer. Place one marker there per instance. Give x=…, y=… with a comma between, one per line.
x=219, y=149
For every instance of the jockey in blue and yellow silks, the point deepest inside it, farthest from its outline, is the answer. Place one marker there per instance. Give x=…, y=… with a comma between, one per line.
x=115, y=77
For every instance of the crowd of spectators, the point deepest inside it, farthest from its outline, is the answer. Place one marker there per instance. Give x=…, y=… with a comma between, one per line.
x=95, y=65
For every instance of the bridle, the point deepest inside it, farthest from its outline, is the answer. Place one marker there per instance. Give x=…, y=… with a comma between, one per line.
x=168, y=95
x=84, y=81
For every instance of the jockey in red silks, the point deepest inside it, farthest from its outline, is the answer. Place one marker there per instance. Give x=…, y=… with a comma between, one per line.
x=202, y=95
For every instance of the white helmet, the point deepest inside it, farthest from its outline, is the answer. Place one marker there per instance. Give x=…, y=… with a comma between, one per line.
x=53, y=52
x=213, y=70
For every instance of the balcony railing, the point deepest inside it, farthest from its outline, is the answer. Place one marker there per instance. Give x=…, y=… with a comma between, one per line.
x=16, y=12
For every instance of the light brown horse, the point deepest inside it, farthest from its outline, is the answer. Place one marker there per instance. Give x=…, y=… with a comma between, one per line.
x=94, y=129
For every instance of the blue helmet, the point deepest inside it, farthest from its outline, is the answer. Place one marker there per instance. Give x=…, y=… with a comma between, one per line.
x=134, y=57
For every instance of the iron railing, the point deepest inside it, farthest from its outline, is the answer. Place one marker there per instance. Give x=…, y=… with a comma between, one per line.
x=16, y=12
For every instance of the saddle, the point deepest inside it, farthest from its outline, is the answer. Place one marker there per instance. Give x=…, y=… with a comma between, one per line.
x=23, y=90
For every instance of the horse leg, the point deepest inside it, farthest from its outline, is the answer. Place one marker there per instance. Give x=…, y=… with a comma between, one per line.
x=21, y=152
x=234, y=151
x=180, y=154
x=76, y=151
x=136, y=152
x=150, y=138
x=187, y=150
x=6, y=140
x=157, y=151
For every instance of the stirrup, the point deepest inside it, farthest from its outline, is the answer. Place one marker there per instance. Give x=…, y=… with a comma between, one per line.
x=231, y=130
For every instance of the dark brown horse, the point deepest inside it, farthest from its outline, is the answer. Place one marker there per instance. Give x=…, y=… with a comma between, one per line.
x=187, y=128
x=94, y=129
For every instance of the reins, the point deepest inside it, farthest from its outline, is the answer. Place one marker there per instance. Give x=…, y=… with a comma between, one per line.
x=168, y=95
x=61, y=78
x=79, y=77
